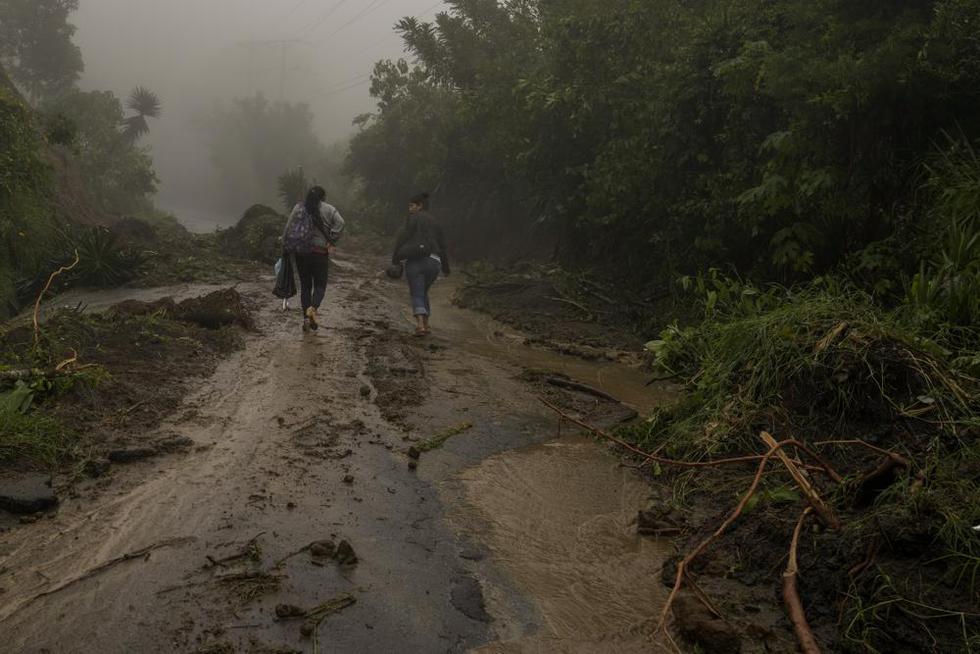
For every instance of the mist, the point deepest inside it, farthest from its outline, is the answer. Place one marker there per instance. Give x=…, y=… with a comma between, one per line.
x=198, y=56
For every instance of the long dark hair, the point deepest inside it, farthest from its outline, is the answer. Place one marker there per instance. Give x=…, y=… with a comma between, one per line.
x=421, y=198
x=316, y=195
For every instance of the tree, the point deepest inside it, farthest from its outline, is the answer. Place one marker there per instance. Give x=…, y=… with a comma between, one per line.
x=293, y=187
x=36, y=46
x=118, y=173
x=146, y=104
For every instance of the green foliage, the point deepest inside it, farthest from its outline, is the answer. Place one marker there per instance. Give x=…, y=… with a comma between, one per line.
x=103, y=261
x=117, y=173
x=36, y=46
x=778, y=138
x=774, y=359
x=25, y=226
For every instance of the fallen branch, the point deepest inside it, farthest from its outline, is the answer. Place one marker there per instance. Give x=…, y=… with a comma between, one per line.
x=824, y=467
x=40, y=296
x=791, y=594
x=582, y=388
x=812, y=497
x=687, y=560
x=249, y=550
x=321, y=612
x=142, y=553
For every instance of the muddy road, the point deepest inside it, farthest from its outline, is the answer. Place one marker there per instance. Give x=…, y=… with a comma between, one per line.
x=504, y=539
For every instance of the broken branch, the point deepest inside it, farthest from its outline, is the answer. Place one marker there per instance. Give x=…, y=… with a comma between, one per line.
x=40, y=296
x=791, y=595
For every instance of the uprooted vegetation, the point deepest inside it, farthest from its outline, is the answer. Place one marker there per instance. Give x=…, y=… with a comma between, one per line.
x=87, y=385
x=874, y=421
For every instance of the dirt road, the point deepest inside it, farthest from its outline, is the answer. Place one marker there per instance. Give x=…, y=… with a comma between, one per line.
x=501, y=539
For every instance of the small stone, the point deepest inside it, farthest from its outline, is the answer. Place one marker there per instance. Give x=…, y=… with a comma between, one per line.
x=26, y=494
x=365, y=390
x=97, y=467
x=290, y=505
x=307, y=629
x=130, y=454
x=323, y=549
x=414, y=452
x=348, y=479
x=413, y=465
x=284, y=611
x=344, y=554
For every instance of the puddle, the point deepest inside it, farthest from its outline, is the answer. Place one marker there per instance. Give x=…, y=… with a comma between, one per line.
x=480, y=334
x=558, y=520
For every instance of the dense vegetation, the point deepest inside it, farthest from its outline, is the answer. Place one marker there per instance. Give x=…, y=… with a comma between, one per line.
x=72, y=159
x=780, y=138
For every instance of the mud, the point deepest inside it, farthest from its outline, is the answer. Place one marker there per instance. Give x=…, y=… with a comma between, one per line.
x=126, y=565
x=559, y=518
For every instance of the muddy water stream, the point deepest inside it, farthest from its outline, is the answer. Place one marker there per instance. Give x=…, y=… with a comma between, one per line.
x=558, y=519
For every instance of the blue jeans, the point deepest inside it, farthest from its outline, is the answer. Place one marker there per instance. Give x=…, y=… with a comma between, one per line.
x=421, y=274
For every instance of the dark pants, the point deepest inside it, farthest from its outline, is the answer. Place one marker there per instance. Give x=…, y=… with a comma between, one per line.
x=421, y=274
x=312, y=270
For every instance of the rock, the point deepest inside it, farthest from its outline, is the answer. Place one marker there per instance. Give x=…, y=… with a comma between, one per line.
x=290, y=505
x=348, y=479
x=365, y=390
x=413, y=464
x=284, y=611
x=344, y=555
x=130, y=454
x=695, y=623
x=96, y=467
x=471, y=554
x=307, y=629
x=323, y=548
x=27, y=493
x=467, y=597
x=414, y=452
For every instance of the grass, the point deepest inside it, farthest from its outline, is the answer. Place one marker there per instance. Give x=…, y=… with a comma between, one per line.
x=35, y=438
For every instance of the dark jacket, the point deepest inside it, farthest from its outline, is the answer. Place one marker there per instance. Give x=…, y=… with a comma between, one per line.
x=423, y=229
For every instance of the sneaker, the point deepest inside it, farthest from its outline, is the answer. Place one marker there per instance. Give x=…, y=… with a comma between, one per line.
x=311, y=317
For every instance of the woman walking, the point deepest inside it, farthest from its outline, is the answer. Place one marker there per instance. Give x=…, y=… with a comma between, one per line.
x=311, y=234
x=421, y=245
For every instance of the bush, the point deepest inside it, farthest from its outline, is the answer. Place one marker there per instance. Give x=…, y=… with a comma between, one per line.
x=256, y=236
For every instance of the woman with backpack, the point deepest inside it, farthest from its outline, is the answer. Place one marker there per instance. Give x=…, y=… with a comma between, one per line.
x=421, y=245
x=311, y=234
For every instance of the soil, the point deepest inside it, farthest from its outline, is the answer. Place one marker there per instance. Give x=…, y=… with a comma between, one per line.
x=276, y=443
x=554, y=310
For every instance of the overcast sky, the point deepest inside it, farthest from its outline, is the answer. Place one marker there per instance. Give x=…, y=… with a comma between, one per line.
x=194, y=53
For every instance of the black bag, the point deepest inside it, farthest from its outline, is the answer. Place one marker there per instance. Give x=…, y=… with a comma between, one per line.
x=285, y=287
x=412, y=251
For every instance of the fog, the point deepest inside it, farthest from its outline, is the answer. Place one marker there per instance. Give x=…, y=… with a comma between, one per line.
x=199, y=53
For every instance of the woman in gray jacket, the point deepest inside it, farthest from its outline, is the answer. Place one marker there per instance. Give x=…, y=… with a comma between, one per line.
x=311, y=234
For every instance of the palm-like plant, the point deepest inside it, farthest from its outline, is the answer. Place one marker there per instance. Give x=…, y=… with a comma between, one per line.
x=146, y=104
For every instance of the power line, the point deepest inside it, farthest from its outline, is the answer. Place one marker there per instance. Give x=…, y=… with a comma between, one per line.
x=352, y=83
x=377, y=4
x=289, y=14
x=309, y=29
